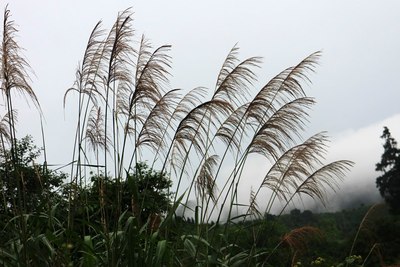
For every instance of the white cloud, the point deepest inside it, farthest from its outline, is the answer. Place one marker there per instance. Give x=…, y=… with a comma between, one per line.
x=362, y=146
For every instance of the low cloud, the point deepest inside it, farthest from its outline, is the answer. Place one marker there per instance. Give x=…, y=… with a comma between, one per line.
x=363, y=146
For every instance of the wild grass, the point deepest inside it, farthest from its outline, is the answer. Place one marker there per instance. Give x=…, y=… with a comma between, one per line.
x=127, y=114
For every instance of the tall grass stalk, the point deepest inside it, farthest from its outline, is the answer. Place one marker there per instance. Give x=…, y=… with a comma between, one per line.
x=127, y=113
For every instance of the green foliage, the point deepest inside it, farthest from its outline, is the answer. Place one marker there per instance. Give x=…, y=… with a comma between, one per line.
x=389, y=182
x=39, y=184
x=145, y=193
x=353, y=260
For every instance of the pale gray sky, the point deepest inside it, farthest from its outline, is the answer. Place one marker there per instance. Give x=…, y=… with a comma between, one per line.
x=356, y=85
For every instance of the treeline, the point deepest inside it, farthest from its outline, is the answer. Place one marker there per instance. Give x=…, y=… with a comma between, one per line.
x=367, y=231
x=360, y=236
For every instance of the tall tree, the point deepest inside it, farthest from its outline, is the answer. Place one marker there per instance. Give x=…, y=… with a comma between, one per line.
x=389, y=182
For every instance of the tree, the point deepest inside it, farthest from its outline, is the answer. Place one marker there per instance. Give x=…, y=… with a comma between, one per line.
x=145, y=193
x=389, y=182
x=37, y=182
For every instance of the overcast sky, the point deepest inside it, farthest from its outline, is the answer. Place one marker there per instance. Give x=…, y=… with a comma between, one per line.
x=356, y=85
